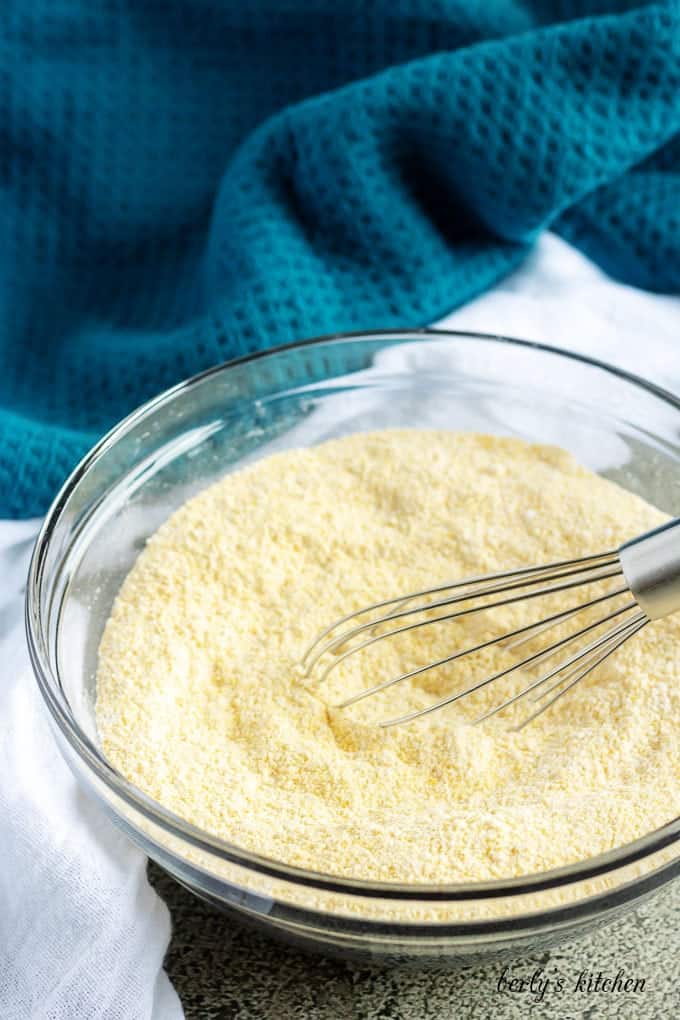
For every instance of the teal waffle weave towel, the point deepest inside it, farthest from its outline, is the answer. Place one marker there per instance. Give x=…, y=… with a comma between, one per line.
x=184, y=181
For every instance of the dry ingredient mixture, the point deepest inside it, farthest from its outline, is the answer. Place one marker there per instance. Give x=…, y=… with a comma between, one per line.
x=201, y=702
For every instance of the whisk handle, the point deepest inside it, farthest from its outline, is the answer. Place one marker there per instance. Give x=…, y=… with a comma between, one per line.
x=651, y=566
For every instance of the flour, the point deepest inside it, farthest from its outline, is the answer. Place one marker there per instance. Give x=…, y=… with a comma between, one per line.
x=201, y=703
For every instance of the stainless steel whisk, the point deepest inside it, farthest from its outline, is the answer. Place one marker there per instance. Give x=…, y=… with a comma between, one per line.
x=646, y=569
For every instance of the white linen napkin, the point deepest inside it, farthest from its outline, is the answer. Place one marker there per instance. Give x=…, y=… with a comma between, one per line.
x=82, y=934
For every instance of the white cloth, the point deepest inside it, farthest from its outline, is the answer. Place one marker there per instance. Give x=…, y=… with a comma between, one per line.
x=82, y=935
x=559, y=297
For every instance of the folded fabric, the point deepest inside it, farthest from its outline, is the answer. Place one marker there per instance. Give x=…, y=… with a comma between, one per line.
x=185, y=182
x=82, y=934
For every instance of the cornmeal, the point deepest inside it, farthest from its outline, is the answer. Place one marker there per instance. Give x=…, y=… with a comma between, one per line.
x=202, y=704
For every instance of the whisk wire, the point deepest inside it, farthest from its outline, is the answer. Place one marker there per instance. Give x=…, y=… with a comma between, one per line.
x=593, y=646
x=584, y=672
x=615, y=640
x=649, y=566
x=486, y=586
x=452, y=698
x=355, y=631
x=551, y=621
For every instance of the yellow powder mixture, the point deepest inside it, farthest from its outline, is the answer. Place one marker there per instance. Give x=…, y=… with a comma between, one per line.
x=202, y=705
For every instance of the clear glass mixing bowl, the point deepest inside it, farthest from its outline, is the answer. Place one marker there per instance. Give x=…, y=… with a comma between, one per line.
x=193, y=434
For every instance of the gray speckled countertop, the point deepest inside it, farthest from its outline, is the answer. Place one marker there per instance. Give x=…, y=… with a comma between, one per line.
x=224, y=972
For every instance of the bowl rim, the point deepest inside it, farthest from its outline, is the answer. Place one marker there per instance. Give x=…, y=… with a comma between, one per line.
x=48, y=682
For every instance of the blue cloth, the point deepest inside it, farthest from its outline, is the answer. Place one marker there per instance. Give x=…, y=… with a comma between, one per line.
x=183, y=181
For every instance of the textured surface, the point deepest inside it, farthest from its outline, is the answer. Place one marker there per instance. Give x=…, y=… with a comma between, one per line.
x=213, y=720
x=224, y=972
x=183, y=182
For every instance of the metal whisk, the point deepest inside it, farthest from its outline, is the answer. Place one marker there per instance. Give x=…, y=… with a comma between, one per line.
x=645, y=572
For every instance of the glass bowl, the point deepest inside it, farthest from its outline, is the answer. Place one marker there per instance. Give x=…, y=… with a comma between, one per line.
x=185, y=439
